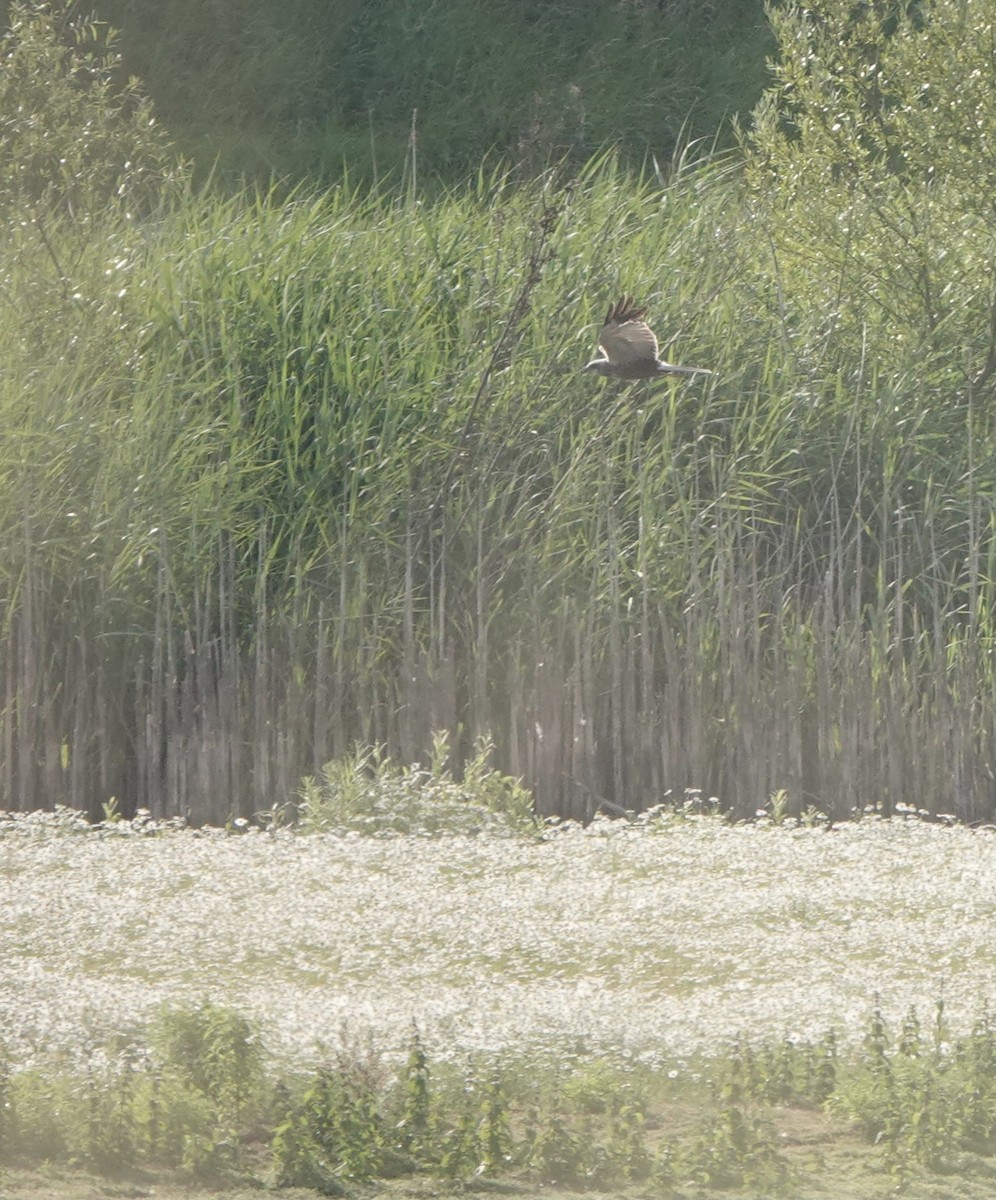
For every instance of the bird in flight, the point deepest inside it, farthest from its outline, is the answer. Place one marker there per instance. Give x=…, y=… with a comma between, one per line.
x=629, y=349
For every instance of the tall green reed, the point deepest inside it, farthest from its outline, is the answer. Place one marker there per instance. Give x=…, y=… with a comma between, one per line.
x=322, y=470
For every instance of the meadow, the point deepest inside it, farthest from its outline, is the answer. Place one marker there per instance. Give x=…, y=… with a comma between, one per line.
x=656, y=940
x=673, y=991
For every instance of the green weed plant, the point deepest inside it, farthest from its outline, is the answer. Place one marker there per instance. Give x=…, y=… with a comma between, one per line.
x=193, y=1097
x=924, y=1096
x=181, y=1098
x=196, y=1096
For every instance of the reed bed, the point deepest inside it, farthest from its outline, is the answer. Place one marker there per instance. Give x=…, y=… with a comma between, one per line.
x=284, y=475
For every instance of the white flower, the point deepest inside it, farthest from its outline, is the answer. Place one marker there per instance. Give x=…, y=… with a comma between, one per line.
x=658, y=940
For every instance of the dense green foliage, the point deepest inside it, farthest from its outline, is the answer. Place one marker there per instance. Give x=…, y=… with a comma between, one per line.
x=74, y=141
x=194, y=1093
x=285, y=473
x=875, y=155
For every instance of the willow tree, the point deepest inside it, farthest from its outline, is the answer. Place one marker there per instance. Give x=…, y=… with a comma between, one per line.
x=873, y=159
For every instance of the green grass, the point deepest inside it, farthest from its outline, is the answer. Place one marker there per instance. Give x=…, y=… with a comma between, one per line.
x=293, y=480
x=662, y=938
x=845, y=1162
x=626, y=1007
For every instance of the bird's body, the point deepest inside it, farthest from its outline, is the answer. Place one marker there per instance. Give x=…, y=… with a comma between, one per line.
x=629, y=349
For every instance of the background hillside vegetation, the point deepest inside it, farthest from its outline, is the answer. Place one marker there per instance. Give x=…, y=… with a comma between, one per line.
x=314, y=89
x=290, y=471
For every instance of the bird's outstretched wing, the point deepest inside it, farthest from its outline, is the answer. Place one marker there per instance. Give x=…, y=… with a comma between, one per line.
x=625, y=337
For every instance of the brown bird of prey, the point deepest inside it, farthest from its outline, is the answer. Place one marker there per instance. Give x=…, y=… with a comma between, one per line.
x=629, y=348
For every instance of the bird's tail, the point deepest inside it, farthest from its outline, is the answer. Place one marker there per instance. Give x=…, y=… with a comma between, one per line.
x=669, y=369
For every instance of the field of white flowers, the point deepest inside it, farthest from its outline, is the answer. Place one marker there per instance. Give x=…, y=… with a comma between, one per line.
x=654, y=942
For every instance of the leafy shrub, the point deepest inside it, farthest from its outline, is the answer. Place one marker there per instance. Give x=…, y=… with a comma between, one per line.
x=75, y=142
x=589, y=1129
x=193, y=1094
x=737, y=1150
x=39, y=1116
x=867, y=156
x=178, y=1124
x=333, y=1132
x=349, y=1121
x=6, y=1108
x=413, y=1125
x=786, y=1072
x=112, y=1134
x=560, y=1150
x=368, y=793
x=184, y=1100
